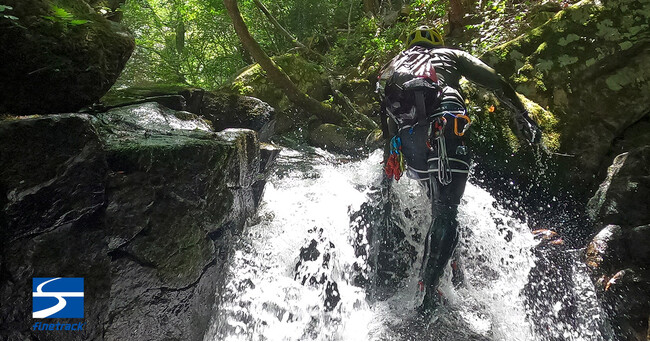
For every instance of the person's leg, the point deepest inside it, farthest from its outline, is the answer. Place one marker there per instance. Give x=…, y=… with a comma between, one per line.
x=442, y=237
x=440, y=243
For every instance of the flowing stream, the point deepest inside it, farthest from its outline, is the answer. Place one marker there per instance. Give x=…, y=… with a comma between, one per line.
x=334, y=255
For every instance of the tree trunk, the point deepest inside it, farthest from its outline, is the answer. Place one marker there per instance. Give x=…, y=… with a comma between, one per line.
x=456, y=15
x=277, y=25
x=370, y=6
x=308, y=52
x=275, y=74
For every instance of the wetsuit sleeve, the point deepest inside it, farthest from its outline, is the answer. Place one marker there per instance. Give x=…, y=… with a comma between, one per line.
x=476, y=71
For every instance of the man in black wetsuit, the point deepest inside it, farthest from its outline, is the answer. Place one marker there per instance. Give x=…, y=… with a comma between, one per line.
x=423, y=111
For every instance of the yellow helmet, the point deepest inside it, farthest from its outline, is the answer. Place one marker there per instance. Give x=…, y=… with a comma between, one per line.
x=426, y=36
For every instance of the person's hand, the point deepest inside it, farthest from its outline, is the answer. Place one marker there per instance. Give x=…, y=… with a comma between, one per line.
x=527, y=128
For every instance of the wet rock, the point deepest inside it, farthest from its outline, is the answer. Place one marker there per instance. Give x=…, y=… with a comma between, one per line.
x=141, y=201
x=268, y=154
x=627, y=296
x=339, y=139
x=314, y=268
x=52, y=191
x=557, y=66
x=221, y=109
x=307, y=76
x=605, y=252
x=617, y=200
x=163, y=94
x=226, y=110
x=638, y=244
x=60, y=61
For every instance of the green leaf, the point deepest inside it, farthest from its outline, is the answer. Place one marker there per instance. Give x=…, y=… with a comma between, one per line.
x=78, y=22
x=61, y=13
x=4, y=7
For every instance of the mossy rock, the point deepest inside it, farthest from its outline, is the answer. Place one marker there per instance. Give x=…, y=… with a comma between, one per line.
x=60, y=56
x=339, y=139
x=307, y=76
x=590, y=66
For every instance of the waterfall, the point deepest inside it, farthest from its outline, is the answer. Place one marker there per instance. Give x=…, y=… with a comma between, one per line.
x=334, y=255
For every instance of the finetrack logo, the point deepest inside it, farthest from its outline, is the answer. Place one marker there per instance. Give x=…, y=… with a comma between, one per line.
x=58, y=297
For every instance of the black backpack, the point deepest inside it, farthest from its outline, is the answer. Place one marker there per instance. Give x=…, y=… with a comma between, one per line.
x=412, y=92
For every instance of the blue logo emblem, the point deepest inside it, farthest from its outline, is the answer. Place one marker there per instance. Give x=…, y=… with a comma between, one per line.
x=58, y=297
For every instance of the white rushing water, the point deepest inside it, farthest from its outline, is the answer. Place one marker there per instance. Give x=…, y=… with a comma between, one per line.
x=310, y=200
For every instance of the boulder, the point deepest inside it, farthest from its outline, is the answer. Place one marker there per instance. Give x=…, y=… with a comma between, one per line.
x=605, y=253
x=63, y=56
x=52, y=188
x=627, y=299
x=619, y=199
x=590, y=65
x=227, y=110
x=222, y=109
x=174, y=96
x=141, y=201
x=306, y=75
x=339, y=139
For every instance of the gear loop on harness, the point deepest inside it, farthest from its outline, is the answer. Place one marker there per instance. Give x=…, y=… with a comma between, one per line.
x=395, y=164
x=436, y=132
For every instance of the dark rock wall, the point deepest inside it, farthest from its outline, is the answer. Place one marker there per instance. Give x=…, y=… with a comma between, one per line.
x=58, y=63
x=590, y=66
x=619, y=254
x=142, y=201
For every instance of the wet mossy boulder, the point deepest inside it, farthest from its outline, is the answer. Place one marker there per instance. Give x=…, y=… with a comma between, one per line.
x=622, y=197
x=173, y=96
x=590, y=66
x=620, y=204
x=339, y=139
x=521, y=177
x=229, y=110
x=58, y=56
x=307, y=76
x=141, y=201
x=221, y=109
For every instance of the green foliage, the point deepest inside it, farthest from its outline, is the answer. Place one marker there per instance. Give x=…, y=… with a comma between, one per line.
x=193, y=41
x=426, y=11
x=7, y=16
x=61, y=16
x=178, y=41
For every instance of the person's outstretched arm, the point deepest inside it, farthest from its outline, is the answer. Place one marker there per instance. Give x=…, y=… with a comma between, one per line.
x=476, y=71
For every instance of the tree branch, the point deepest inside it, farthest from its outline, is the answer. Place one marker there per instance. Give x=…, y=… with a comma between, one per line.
x=287, y=34
x=275, y=74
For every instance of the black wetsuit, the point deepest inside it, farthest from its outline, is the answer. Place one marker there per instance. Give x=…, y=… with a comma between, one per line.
x=423, y=153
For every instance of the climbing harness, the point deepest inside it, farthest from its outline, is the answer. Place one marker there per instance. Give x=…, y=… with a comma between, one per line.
x=436, y=134
x=395, y=163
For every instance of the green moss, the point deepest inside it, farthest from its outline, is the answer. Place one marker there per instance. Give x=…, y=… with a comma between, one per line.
x=541, y=48
x=621, y=79
x=565, y=60
x=306, y=75
x=564, y=41
x=626, y=45
x=544, y=65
